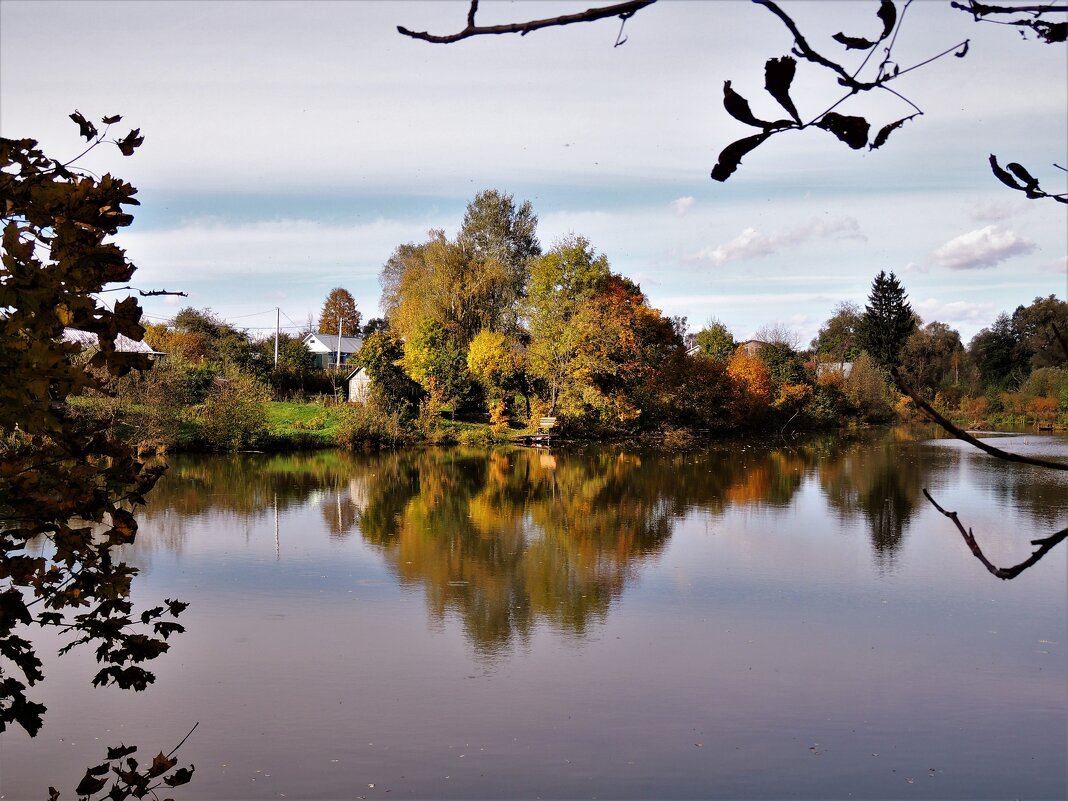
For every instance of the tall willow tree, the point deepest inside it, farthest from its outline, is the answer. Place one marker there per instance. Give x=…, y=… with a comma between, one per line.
x=467, y=285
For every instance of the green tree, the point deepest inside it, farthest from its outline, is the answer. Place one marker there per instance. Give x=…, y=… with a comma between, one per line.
x=496, y=229
x=837, y=338
x=437, y=363
x=999, y=355
x=380, y=356
x=340, y=306
x=1042, y=328
x=887, y=321
x=715, y=341
x=932, y=358
x=62, y=482
x=561, y=281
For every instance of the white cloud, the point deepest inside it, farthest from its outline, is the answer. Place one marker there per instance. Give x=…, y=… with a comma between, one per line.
x=983, y=247
x=955, y=312
x=210, y=248
x=682, y=205
x=995, y=211
x=752, y=244
x=1057, y=266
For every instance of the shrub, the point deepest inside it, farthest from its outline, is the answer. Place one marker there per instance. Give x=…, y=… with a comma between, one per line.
x=234, y=414
x=368, y=425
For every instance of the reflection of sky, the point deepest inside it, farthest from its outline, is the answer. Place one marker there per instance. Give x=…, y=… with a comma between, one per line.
x=764, y=652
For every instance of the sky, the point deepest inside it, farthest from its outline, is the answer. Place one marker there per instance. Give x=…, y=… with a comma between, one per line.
x=290, y=147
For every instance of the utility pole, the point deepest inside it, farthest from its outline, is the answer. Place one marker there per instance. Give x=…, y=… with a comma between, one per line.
x=340, y=320
x=277, y=324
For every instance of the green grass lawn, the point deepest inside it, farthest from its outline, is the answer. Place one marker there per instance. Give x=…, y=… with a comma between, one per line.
x=303, y=423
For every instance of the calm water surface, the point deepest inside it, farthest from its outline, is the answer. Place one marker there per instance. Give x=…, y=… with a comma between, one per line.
x=738, y=622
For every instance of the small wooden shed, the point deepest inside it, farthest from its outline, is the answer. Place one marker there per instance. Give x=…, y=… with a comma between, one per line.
x=359, y=385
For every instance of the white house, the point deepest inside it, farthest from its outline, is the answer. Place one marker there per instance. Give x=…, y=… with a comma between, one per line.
x=324, y=347
x=87, y=340
x=834, y=368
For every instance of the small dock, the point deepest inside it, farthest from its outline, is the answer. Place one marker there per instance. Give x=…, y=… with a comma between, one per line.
x=544, y=436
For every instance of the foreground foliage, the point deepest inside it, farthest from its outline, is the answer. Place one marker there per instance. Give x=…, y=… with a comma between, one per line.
x=67, y=488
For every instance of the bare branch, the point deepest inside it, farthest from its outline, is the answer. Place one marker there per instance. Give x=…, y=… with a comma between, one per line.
x=1046, y=544
x=1016, y=173
x=961, y=434
x=147, y=293
x=623, y=10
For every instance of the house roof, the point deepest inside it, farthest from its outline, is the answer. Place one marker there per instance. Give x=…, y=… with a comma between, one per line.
x=123, y=344
x=325, y=342
x=354, y=372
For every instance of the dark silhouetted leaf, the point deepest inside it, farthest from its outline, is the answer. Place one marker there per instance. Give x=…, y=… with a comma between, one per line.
x=85, y=128
x=853, y=42
x=132, y=141
x=89, y=785
x=778, y=75
x=963, y=51
x=738, y=107
x=1001, y=175
x=888, y=14
x=851, y=130
x=112, y=119
x=1052, y=33
x=886, y=130
x=175, y=607
x=732, y=155
x=161, y=763
x=121, y=751
x=180, y=776
x=1017, y=169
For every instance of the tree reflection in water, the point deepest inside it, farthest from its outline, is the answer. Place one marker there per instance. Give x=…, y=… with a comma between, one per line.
x=509, y=539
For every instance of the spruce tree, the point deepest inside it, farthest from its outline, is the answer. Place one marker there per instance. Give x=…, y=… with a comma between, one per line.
x=887, y=320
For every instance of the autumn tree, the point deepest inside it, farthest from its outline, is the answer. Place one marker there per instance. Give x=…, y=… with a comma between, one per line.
x=496, y=229
x=561, y=281
x=751, y=387
x=440, y=280
x=340, y=307
x=497, y=362
x=63, y=483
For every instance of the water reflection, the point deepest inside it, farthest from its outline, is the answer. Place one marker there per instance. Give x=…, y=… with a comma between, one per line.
x=510, y=538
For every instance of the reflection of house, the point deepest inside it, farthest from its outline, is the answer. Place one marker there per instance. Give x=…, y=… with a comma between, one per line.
x=359, y=385
x=834, y=368
x=87, y=340
x=324, y=348
x=752, y=347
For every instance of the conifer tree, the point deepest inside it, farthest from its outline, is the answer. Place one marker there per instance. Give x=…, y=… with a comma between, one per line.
x=340, y=305
x=887, y=320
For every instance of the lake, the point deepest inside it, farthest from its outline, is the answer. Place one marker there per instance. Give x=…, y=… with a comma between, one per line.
x=744, y=620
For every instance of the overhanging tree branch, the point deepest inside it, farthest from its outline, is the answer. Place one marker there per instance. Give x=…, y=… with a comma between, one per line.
x=961, y=434
x=623, y=10
x=1046, y=544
